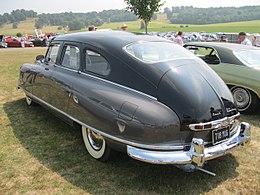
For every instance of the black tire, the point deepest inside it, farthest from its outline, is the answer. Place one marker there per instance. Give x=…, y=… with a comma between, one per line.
x=246, y=101
x=96, y=145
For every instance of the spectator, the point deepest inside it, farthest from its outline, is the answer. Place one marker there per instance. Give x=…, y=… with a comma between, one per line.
x=124, y=27
x=22, y=42
x=92, y=28
x=178, y=39
x=242, y=39
x=254, y=41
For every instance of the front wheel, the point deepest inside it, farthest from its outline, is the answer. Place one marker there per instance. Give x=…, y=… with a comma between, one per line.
x=29, y=101
x=246, y=101
x=95, y=145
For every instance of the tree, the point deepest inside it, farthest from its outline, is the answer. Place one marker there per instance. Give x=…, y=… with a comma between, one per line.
x=144, y=9
x=76, y=25
x=15, y=25
x=168, y=12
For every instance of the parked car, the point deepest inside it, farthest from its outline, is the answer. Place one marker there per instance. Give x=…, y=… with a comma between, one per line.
x=3, y=44
x=238, y=65
x=136, y=93
x=14, y=42
x=39, y=42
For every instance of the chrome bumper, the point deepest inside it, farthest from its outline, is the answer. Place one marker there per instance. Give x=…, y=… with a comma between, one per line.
x=197, y=154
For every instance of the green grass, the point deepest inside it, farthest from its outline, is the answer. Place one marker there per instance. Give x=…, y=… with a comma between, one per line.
x=162, y=26
x=27, y=27
x=40, y=154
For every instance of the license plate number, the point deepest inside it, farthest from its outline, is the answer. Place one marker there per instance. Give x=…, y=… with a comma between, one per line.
x=220, y=135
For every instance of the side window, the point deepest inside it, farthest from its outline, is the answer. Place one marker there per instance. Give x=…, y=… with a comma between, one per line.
x=71, y=57
x=209, y=55
x=96, y=63
x=53, y=53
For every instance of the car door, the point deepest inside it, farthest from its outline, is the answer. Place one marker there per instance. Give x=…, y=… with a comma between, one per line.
x=90, y=101
x=64, y=74
x=43, y=72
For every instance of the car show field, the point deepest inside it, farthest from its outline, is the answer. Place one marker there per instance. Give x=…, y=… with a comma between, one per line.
x=41, y=154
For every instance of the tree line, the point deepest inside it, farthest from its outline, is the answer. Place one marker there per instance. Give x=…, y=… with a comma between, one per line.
x=17, y=16
x=191, y=15
x=74, y=21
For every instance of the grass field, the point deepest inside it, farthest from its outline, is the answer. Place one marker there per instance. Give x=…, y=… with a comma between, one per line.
x=26, y=27
x=40, y=154
x=158, y=26
x=155, y=26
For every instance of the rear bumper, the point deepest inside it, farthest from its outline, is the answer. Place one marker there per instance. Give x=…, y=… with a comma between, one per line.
x=197, y=154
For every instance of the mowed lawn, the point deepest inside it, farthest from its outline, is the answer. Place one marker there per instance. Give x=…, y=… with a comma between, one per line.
x=40, y=154
x=164, y=26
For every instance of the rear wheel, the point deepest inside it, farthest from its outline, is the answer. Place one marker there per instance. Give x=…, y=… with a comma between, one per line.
x=246, y=100
x=96, y=145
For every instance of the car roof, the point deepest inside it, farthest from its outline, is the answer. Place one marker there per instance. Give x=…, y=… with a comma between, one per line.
x=107, y=38
x=229, y=46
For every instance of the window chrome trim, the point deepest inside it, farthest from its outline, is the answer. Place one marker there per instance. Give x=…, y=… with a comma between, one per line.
x=119, y=85
x=123, y=141
x=66, y=68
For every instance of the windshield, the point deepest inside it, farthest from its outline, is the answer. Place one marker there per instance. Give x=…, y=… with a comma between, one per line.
x=250, y=58
x=153, y=52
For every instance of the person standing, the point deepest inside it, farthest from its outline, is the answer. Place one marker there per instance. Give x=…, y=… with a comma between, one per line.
x=242, y=39
x=92, y=28
x=178, y=39
x=124, y=27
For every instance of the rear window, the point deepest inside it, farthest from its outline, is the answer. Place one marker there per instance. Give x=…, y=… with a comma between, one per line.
x=249, y=57
x=153, y=52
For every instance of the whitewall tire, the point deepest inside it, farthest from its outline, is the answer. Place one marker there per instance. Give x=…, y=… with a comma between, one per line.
x=95, y=144
x=29, y=101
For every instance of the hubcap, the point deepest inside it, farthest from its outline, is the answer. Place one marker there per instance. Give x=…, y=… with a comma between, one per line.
x=241, y=97
x=95, y=140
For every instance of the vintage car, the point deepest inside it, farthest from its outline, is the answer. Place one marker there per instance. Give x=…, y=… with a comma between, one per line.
x=136, y=93
x=238, y=65
x=15, y=42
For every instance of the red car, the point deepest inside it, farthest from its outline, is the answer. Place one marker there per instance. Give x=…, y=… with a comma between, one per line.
x=14, y=42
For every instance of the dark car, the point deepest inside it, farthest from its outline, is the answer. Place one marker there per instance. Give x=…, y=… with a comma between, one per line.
x=238, y=65
x=139, y=94
x=3, y=44
x=39, y=42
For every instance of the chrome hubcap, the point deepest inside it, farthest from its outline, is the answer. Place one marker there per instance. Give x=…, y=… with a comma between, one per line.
x=241, y=97
x=95, y=140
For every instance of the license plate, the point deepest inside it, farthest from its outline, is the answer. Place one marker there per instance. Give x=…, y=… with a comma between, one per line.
x=220, y=135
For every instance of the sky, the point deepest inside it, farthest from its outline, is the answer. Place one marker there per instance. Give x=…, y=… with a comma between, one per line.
x=58, y=6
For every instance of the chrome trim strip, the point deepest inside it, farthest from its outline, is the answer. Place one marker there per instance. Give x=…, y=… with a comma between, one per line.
x=65, y=68
x=197, y=154
x=126, y=142
x=224, y=122
x=118, y=85
x=104, y=80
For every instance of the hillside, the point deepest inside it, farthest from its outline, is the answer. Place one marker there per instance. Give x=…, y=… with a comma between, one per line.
x=27, y=27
